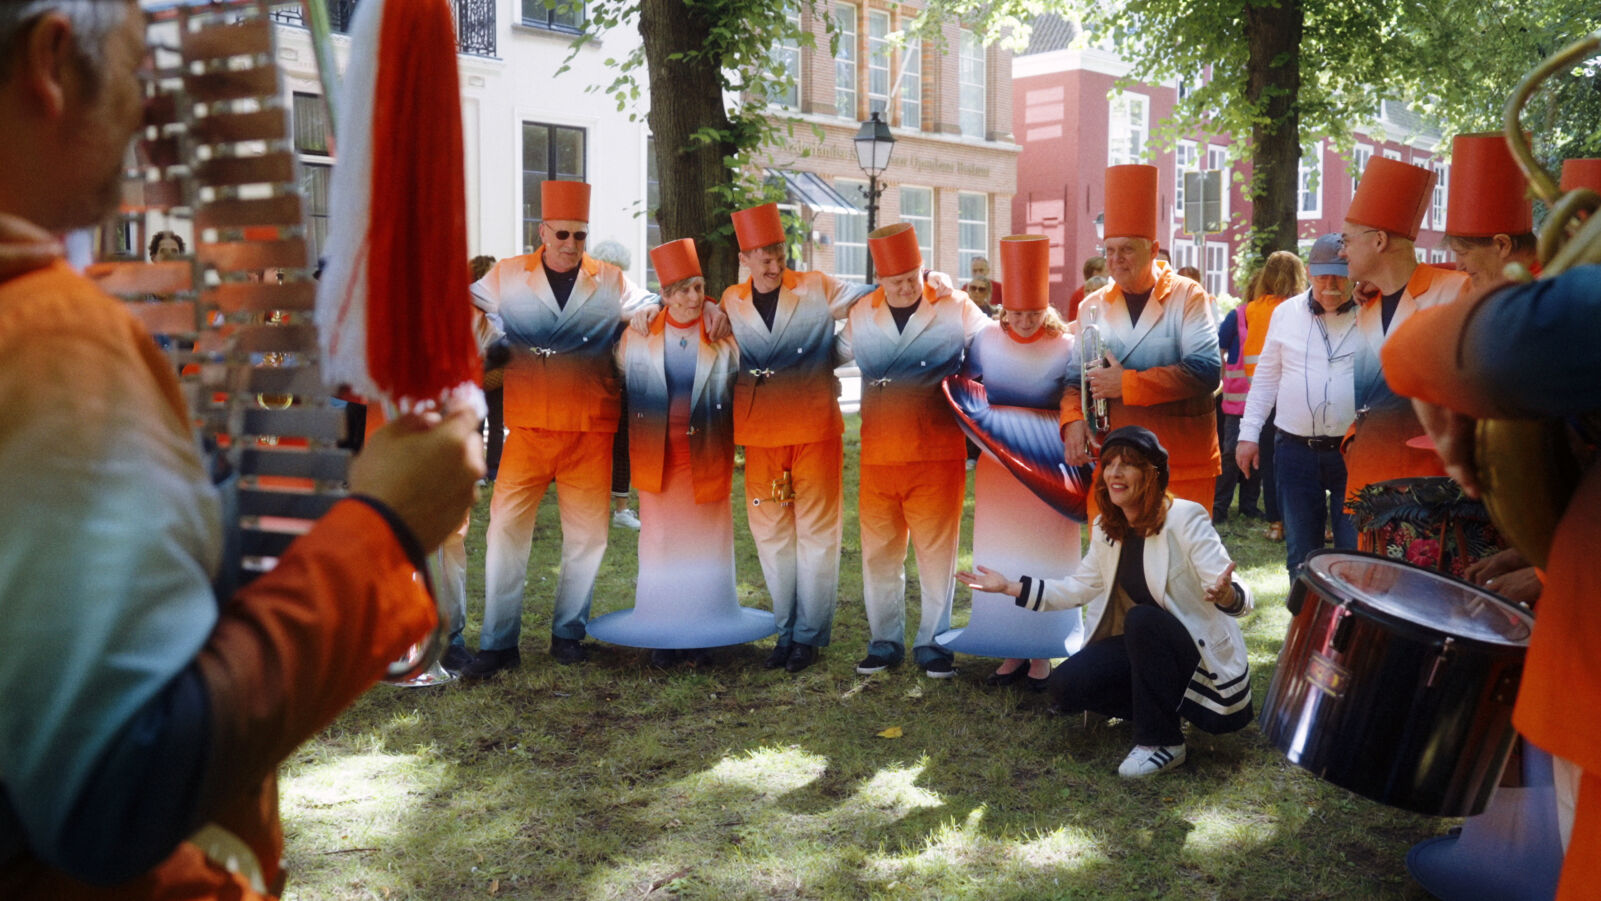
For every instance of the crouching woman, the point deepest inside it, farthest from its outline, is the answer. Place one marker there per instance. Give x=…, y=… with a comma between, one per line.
x=1163, y=642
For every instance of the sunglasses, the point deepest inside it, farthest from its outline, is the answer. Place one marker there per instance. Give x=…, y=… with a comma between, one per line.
x=564, y=235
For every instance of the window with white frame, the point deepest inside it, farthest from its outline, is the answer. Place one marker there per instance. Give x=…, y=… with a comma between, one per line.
x=972, y=231
x=878, y=58
x=1185, y=253
x=850, y=233
x=1360, y=156
x=311, y=133
x=1128, y=127
x=845, y=61
x=787, y=59
x=561, y=15
x=1442, y=190
x=550, y=153
x=1185, y=155
x=1439, y=256
x=970, y=86
x=1215, y=274
x=912, y=84
x=1309, y=183
x=1217, y=158
x=917, y=209
x=1391, y=154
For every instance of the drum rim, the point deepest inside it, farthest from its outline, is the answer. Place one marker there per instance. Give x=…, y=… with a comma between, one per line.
x=1319, y=581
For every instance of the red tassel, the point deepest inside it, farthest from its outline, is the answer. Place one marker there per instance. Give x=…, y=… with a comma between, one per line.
x=419, y=322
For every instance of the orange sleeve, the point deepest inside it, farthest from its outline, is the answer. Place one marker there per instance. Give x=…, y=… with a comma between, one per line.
x=301, y=642
x=1423, y=359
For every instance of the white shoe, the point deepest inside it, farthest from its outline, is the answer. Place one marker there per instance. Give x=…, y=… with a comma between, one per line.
x=625, y=518
x=1144, y=761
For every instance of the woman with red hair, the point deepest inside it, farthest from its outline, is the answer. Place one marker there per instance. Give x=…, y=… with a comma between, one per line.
x=1163, y=644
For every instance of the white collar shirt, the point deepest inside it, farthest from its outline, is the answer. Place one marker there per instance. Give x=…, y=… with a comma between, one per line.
x=1306, y=373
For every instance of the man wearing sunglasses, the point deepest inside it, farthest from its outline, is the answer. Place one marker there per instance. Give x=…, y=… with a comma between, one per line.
x=560, y=311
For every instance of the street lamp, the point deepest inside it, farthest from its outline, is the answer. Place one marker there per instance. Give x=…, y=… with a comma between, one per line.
x=874, y=144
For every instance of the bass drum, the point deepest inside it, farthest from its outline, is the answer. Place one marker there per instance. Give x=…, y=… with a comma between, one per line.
x=1397, y=683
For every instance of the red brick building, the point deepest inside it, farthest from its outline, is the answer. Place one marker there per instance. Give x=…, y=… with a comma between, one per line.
x=1072, y=123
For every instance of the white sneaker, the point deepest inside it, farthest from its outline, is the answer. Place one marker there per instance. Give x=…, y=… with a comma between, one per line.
x=1144, y=761
x=625, y=518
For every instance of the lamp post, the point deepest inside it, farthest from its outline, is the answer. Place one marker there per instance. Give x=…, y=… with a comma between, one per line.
x=874, y=144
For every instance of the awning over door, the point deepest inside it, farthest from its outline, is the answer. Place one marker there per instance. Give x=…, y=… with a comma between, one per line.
x=810, y=191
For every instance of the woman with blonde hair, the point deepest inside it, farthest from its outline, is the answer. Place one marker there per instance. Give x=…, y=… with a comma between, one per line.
x=1283, y=275
x=1163, y=645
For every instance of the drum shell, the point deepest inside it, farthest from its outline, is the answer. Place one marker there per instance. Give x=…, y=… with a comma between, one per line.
x=1378, y=705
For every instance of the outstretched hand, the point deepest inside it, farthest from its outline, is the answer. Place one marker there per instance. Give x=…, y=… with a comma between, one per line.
x=985, y=579
x=1222, y=591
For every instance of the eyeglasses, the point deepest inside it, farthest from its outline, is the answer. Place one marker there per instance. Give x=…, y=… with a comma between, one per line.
x=565, y=234
x=1347, y=239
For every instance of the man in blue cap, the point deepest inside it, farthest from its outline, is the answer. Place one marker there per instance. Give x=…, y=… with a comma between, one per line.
x=1307, y=374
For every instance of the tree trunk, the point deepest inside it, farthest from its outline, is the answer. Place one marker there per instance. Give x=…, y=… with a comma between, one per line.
x=686, y=96
x=1273, y=81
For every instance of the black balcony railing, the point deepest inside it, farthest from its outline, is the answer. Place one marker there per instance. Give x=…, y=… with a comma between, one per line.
x=475, y=21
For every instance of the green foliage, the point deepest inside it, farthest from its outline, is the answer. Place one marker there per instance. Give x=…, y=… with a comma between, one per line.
x=740, y=41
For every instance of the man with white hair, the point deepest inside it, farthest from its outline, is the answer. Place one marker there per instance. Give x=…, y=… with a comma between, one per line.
x=145, y=715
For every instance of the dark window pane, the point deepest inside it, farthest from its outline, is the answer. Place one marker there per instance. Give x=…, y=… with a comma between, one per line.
x=536, y=147
x=310, y=124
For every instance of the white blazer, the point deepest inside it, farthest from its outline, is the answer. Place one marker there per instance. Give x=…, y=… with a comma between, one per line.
x=1181, y=560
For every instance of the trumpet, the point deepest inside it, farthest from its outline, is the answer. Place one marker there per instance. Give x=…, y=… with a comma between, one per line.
x=1092, y=356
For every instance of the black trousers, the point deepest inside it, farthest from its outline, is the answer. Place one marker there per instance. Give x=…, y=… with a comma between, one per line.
x=620, y=472
x=1138, y=676
x=497, y=430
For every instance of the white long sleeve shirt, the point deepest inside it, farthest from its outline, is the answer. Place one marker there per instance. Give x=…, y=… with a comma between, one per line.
x=1307, y=372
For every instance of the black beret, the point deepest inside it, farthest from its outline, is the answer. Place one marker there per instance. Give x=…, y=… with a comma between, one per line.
x=1143, y=440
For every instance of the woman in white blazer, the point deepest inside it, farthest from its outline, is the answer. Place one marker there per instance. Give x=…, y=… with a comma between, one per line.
x=1163, y=642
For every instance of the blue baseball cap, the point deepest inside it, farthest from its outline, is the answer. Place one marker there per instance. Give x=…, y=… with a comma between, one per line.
x=1325, y=257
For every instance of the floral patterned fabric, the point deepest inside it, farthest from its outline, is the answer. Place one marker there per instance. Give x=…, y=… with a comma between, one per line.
x=1428, y=522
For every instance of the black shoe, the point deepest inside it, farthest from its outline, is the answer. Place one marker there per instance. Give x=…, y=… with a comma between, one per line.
x=801, y=657
x=1040, y=684
x=664, y=658
x=874, y=663
x=778, y=657
x=1001, y=680
x=698, y=657
x=490, y=662
x=939, y=668
x=568, y=650
x=456, y=658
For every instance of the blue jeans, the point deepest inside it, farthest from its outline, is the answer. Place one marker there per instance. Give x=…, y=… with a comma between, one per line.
x=1311, y=487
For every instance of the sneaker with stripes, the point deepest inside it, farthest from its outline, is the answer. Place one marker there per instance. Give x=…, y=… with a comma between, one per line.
x=1148, y=761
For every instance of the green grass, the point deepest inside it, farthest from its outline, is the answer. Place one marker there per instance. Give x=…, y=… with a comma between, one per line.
x=617, y=780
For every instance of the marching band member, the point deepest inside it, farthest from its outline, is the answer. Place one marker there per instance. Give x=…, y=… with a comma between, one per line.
x=1164, y=644
x=1489, y=220
x=561, y=311
x=905, y=339
x=1024, y=361
x=1477, y=359
x=1162, y=359
x=164, y=706
x=1376, y=243
x=681, y=452
x=786, y=416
